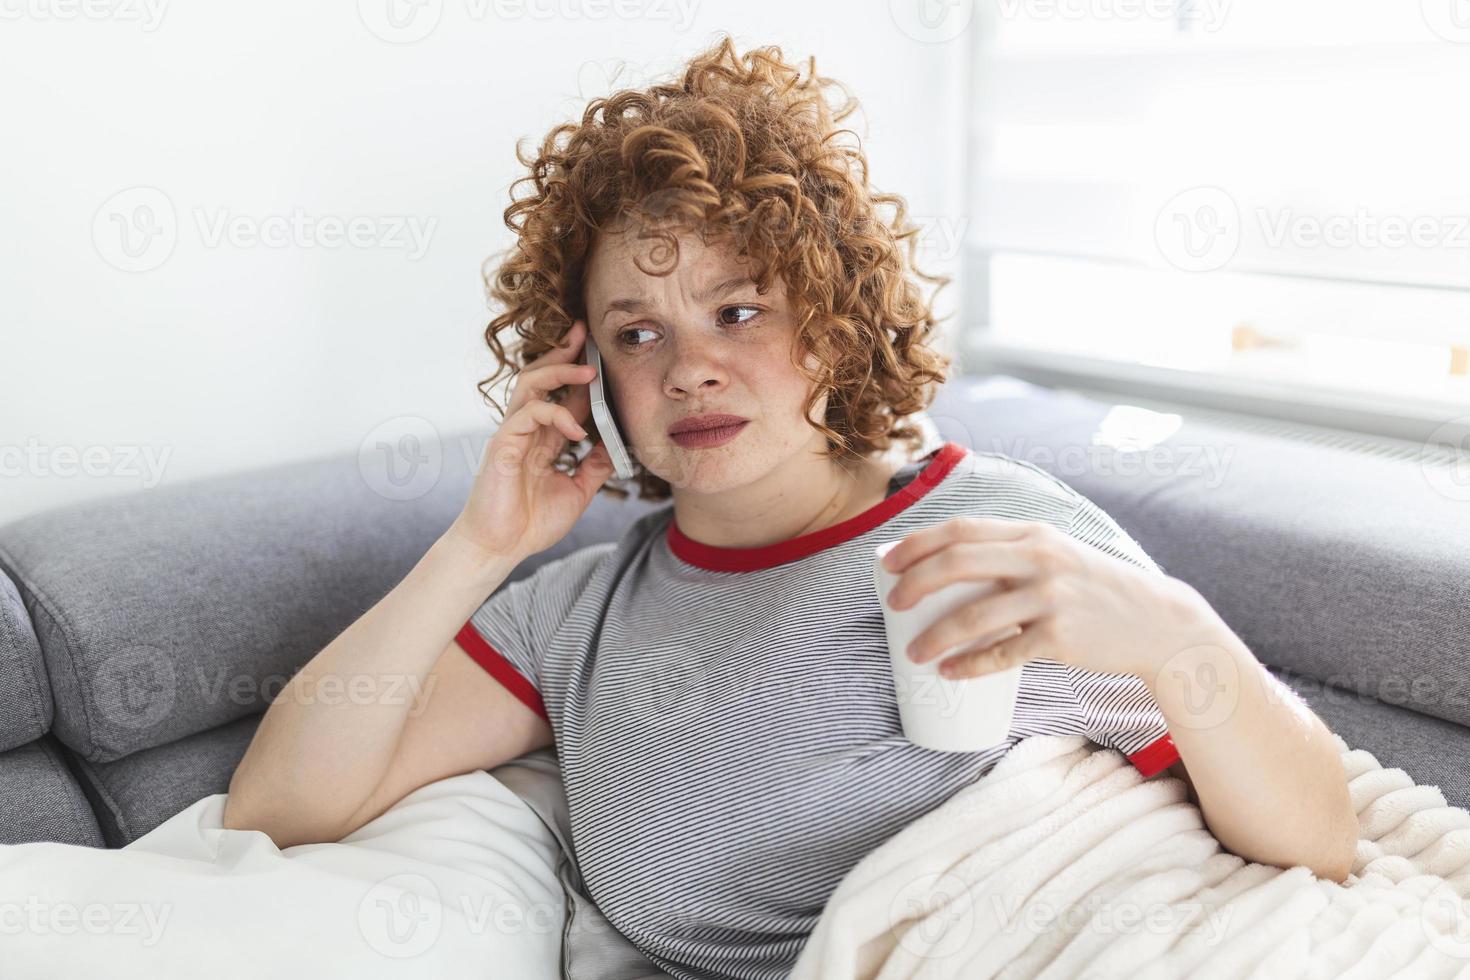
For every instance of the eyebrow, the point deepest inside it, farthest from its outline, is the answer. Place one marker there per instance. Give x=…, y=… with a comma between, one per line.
x=718, y=289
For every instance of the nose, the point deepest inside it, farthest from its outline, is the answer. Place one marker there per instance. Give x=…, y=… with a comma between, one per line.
x=693, y=371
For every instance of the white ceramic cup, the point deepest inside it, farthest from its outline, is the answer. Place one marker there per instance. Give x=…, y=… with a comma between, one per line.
x=965, y=715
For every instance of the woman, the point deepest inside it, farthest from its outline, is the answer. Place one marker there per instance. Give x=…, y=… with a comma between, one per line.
x=716, y=682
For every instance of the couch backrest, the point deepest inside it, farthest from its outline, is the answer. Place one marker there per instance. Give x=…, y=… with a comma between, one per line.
x=25, y=695
x=164, y=613
x=1342, y=566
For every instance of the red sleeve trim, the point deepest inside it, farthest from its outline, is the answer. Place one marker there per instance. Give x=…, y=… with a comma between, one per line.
x=1155, y=757
x=482, y=653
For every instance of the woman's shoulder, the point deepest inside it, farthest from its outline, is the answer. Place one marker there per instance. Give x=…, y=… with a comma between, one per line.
x=990, y=483
x=991, y=469
x=571, y=560
x=994, y=484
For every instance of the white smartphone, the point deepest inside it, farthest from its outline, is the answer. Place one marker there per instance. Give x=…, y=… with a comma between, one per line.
x=602, y=413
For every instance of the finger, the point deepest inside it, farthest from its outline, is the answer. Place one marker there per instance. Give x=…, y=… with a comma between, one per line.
x=518, y=444
x=563, y=422
x=977, y=621
x=579, y=400
x=965, y=528
x=522, y=428
x=565, y=352
x=1012, y=652
x=593, y=471
x=962, y=562
x=534, y=383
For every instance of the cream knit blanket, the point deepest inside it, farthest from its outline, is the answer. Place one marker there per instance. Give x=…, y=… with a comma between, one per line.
x=1064, y=862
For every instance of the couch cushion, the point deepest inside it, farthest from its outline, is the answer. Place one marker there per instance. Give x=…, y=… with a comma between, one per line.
x=132, y=796
x=1341, y=566
x=25, y=696
x=40, y=799
x=172, y=611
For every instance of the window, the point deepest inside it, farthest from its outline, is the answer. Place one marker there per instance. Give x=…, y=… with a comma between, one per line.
x=1237, y=196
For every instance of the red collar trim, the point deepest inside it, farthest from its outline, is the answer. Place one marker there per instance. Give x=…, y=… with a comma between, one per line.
x=718, y=559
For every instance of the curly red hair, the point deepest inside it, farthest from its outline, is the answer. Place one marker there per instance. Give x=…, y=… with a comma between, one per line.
x=745, y=148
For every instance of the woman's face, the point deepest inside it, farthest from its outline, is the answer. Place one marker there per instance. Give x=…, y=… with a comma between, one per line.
x=699, y=340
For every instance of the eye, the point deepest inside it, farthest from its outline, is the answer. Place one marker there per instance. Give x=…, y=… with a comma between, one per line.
x=752, y=313
x=755, y=312
x=625, y=344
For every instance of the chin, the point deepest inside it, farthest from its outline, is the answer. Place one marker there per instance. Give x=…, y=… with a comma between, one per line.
x=699, y=470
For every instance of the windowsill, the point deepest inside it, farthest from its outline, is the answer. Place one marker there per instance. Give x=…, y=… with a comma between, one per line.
x=1373, y=413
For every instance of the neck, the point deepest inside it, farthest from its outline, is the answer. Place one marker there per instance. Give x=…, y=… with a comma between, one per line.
x=786, y=503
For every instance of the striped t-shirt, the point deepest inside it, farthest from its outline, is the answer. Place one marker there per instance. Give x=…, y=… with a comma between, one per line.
x=726, y=719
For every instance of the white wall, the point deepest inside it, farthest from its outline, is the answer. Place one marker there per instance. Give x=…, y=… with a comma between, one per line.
x=200, y=356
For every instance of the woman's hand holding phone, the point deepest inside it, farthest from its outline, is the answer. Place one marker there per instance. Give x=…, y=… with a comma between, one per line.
x=521, y=504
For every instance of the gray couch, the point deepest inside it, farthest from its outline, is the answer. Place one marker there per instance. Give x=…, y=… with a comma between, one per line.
x=142, y=636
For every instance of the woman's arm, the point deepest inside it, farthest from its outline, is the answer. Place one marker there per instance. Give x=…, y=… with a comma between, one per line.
x=1263, y=766
x=329, y=739
x=320, y=766
x=1266, y=771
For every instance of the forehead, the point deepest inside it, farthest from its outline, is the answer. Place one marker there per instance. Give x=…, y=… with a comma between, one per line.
x=615, y=257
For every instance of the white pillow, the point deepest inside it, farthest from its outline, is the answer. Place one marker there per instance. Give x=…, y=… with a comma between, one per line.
x=458, y=879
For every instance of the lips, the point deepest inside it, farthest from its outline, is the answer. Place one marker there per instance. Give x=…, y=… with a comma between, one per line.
x=699, y=423
x=709, y=438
